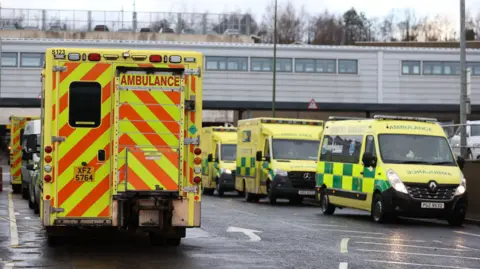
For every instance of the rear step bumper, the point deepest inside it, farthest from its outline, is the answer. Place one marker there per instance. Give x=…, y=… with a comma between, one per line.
x=146, y=194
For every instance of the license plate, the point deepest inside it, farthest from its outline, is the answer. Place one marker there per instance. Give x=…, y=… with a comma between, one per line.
x=306, y=192
x=84, y=173
x=190, y=189
x=433, y=205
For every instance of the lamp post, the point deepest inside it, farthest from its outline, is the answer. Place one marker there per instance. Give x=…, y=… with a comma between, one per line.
x=463, y=83
x=274, y=60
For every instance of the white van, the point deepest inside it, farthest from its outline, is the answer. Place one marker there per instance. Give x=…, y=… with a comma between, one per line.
x=473, y=140
x=30, y=159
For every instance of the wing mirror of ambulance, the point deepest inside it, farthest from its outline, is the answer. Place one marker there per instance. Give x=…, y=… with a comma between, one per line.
x=460, y=162
x=369, y=160
x=210, y=158
x=260, y=158
x=32, y=144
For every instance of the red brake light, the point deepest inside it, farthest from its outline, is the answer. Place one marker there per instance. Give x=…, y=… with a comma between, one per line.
x=47, y=197
x=48, y=149
x=197, y=161
x=47, y=178
x=94, y=57
x=197, y=180
x=197, y=151
x=29, y=118
x=155, y=58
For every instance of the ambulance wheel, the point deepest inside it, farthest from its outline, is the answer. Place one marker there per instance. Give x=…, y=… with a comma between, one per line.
x=25, y=193
x=156, y=239
x=208, y=191
x=17, y=188
x=220, y=192
x=327, y=208
x=249, y=197
x=378, y=210
x=272, y=198
x=30, y=203
x=174, y=242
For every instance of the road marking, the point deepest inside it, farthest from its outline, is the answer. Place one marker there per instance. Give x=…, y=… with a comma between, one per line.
x=388, y=239
x=344, y=245
x=248, y=232
x=343, y=265
x=420, y=264
x=240, y=211
x=460, y=246
x=437, y=241
x=460, y=232
x=419, y=254
x=27, y=218
x=13, y=222
x=410, y=246
x=9, y=265
x=326, y=229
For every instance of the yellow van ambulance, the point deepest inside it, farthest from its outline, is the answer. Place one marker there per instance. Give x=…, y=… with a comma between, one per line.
x=276, y=158
x=219, y=149
x=391, y=166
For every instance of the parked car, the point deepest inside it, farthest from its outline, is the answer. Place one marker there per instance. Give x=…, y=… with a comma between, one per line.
x=231, y=32
x=35, y=189
x=145, y=30
x=211, y=32
x=8, y=27
x=167, y=30
x=188, y=31
x=55, y=28
x=124, y=30
x=101, y=28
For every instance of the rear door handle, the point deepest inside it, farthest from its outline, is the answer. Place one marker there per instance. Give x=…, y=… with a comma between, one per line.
x=101, y=156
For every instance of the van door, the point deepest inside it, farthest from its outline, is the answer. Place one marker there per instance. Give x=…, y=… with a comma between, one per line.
x=367, y=181
x=83, y=120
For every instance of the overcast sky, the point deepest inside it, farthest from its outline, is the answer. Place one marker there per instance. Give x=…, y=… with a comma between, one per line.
x=373, y=8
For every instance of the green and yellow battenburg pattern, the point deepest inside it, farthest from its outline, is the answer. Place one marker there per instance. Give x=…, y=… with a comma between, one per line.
x=246, y=167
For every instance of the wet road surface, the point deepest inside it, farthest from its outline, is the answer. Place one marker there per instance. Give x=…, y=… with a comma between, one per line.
x=282, y=236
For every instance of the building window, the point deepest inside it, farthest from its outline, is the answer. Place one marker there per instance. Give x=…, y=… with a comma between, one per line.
x=451, y=68
x=317, y=66
x=85, y=103
x=432, y=68
x=348, y=66
x=411, y=67
x=284, y=65
x=475, y=66
x=9, y=59
x=31, y=59
x=261, y=64
x=226, y=63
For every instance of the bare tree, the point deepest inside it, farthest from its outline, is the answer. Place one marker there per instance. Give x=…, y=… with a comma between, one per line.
x=327, y=29
x=290, y=26
x=387, y=27
x=409, y=26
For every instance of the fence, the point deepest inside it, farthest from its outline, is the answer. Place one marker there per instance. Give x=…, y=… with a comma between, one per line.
x=472, y=146
x=86, y=20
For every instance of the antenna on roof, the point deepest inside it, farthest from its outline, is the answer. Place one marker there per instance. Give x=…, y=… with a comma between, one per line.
x=345, y=118
x=388, y=117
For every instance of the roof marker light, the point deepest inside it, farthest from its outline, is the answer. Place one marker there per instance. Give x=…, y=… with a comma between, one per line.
x=74, y=56
x=189, y=59
x=94, y=57
x=126, y=54
x=111, y=57
x=176, y=59
x=155, y=58
x=139, y=57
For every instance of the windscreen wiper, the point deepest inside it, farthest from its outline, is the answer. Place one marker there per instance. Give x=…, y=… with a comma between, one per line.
x=415, y=162
x=440, y=163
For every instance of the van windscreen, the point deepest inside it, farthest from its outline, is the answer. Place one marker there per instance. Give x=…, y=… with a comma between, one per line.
x=290, y=149
x=415, y=149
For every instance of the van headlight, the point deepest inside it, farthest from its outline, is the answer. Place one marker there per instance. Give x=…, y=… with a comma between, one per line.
x=462, y=187
x=226, y=171
x=280, y=172
x=396, y=182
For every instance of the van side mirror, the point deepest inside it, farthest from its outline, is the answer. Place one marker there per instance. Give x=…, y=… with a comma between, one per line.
x=460, y=162
x=210, y=158
x=369, y=160
x=259, y=156
x=30, y=167
x=268, y=159
x=32, y=144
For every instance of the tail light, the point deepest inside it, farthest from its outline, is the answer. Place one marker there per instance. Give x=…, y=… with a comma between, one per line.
x=29, y=118
x=48, y=149
x=197, y=180
x=197, y=151
x=48, y=159
x=197, y=161
x=94, y=57
x=47, y=178
x=47, y=197
x=155, y=58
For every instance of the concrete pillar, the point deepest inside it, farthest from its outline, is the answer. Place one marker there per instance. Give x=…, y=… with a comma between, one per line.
x=134, y=21
x=44, y=20
x=204, y=23
x=247, y=26
x=89, y=21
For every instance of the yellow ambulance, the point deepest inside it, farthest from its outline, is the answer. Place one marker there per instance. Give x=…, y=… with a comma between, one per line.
x=276, y=158
x=219, y=149
x=391, y=166
x=120, y=141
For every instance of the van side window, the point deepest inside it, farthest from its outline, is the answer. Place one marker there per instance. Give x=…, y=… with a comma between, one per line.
x=217, y=158
x=84, y=104
x=267, y=148
x=370, y=145
x=341, y=148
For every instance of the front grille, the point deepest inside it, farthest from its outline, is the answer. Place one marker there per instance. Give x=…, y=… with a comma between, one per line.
x=298, y=180
x=422, y=191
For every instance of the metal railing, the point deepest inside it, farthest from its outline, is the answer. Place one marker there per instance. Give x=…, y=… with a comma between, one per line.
x=86, y=20
x=473, y=149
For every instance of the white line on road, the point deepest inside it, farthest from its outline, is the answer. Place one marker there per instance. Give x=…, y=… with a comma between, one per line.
x=409, y=246
x=326, y=229
x=27, y=218
x=388, y=239
x=13, y=222
x=344, y=245
x=343, y=265
x=243, y=212
x=437, y=241
x=248, y=232
x=475, y=249
x=9, y=265
x=419, y=254
x=460, y=232
x=420, y=264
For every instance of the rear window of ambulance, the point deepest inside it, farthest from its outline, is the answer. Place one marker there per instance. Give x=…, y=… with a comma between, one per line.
x=85, y=102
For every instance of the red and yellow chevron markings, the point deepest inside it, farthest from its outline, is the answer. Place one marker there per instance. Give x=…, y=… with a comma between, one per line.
x=82, y=199
x=16, y=149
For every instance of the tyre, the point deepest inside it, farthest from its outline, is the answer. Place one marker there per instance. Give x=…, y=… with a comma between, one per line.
x=220, y=192
x=30, y=203
x=249, y=197
x=456, y=221
x=208, y=191
x=378, y=210
x=327, y=208
x=17, y=188
x=157, y=240
x=174, y=242
x=25, y=193
x=272, y=198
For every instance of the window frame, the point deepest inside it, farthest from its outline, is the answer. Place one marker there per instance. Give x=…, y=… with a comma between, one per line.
x=70, y=120
x=241, y=61
x=348, y=60
x=431, y=64
x=411, y=73
x=42, y=57
x=10, y=53
x=340, y=157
